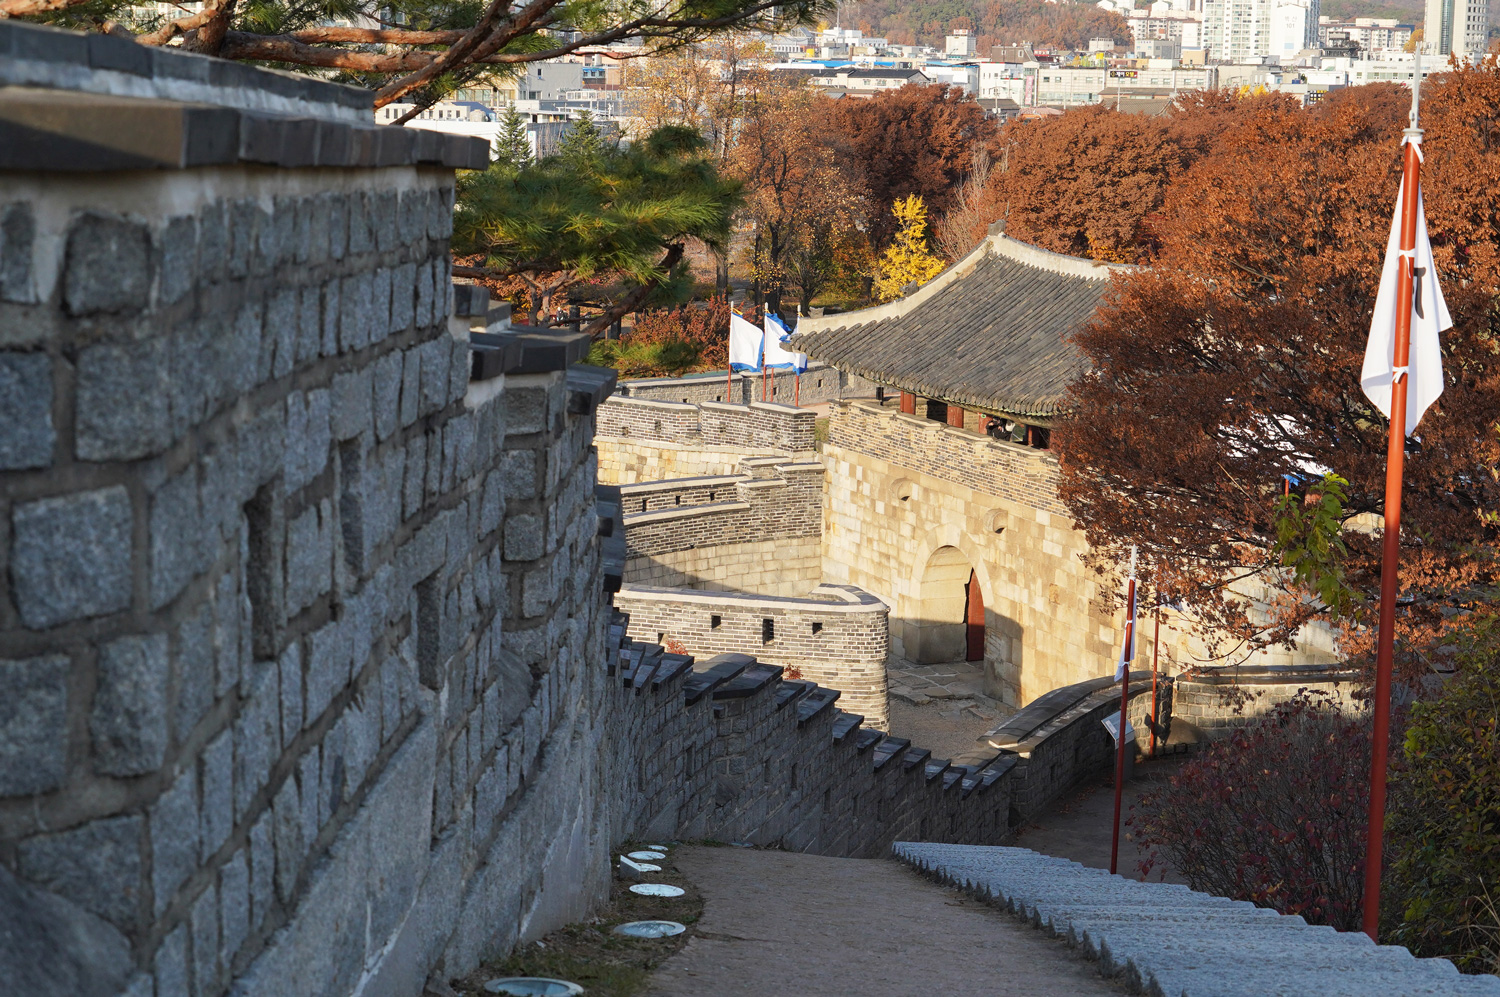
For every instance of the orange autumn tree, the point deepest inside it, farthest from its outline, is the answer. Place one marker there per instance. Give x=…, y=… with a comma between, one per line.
x=1233, y=360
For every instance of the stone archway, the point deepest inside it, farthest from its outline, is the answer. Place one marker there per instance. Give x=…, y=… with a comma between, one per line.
x=937, y=629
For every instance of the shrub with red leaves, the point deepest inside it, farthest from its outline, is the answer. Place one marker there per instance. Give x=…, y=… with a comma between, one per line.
x=704, y=324
x=1274, y=814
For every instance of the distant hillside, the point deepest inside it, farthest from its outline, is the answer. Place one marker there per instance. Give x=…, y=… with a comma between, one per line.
x=1407, y=11
x=995, y=22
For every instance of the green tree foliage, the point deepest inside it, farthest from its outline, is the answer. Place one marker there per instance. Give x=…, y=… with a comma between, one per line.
x=1309, y=538
x=1443, y=826
x=582, y=143
x=907, y=260
x=596, y=213
x=512, y=147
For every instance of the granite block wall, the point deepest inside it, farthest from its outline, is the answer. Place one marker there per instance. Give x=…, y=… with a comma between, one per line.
x=296, y=624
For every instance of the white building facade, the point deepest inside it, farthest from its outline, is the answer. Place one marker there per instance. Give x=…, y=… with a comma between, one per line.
x=1457, y=27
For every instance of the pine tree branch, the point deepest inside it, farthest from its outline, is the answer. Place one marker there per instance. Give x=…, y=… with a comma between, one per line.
x=637, y=297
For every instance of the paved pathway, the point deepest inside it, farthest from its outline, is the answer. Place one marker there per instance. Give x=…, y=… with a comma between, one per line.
x=944, y=708
x=778, y=923
x=1079, y=826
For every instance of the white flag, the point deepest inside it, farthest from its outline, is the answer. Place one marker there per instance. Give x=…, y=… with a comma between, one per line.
x=1429, y=317
x=744, y=344
x=1127, y=650
x=777, y=355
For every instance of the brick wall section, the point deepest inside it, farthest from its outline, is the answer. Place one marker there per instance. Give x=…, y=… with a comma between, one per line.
x=788, y=505
x=820, y=383
x=764, y=425
x=837, y=639
x=295, y=627
x=780, y=428
x=772, y=567
x=1219, y=701
x=664, y=422
x=1005, y=470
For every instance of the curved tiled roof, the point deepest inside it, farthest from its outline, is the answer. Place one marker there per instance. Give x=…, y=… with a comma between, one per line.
x=988, y=333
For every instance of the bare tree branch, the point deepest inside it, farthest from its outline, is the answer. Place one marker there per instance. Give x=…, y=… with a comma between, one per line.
x=21, y=8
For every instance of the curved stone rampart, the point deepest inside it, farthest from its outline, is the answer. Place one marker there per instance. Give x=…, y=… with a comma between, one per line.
x=1219, y=701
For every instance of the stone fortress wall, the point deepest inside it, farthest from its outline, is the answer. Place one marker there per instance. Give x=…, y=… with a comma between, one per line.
x=308, y=677
x=835, y=637
x=820, y=383
x=903, y=488
x=646, y=440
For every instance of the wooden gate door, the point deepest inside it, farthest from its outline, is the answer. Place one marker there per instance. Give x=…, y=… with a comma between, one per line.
x=974, y=620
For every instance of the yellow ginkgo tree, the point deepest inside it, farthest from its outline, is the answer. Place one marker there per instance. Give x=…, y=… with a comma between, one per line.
x=907, y=259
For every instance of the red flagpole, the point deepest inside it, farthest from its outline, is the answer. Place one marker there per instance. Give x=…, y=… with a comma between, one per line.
x=1155, y=657
x=797, y=391
x=1395, y=463
x=1114, y=844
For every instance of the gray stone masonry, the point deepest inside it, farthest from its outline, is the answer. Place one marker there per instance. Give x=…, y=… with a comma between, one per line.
x=300, y=632
x=1162, y=939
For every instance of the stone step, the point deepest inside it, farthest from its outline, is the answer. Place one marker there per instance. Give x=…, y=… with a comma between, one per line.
x=792, y=691
x=912, y=757
x=845, y=723
x=753, y=679
x=1169, y=940
x=713, y=673
x=888, y=748
x=815, y=702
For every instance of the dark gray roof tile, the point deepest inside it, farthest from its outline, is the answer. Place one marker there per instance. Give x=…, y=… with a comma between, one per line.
x=988, y=334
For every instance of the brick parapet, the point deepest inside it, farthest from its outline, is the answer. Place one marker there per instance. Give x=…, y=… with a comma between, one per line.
x=1006, y=470
x=819, y=383
x=1219, y=701
x=837, y=638
x=786, y=507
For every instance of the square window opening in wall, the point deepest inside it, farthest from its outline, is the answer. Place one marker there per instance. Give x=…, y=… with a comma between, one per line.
x=817, y=628
x=767, y=630
x=660, y=637
x=714, y=622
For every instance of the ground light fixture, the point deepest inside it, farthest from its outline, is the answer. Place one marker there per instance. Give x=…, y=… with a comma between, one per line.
x=657, y=890
x=532, y=986
x=650, y=929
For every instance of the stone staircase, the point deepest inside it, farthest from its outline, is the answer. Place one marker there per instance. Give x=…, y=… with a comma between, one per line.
x=1170, y=941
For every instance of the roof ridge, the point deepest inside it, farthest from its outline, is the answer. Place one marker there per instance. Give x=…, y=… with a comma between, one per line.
x=997, y=243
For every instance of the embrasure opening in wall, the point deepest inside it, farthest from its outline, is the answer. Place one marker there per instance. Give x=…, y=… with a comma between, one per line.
x=263, y=574
x=817, y=628
x=428, y=609
x=714, y=621
x=767, y=630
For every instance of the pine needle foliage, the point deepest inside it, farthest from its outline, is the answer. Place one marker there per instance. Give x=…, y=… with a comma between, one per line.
x=597, y=212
